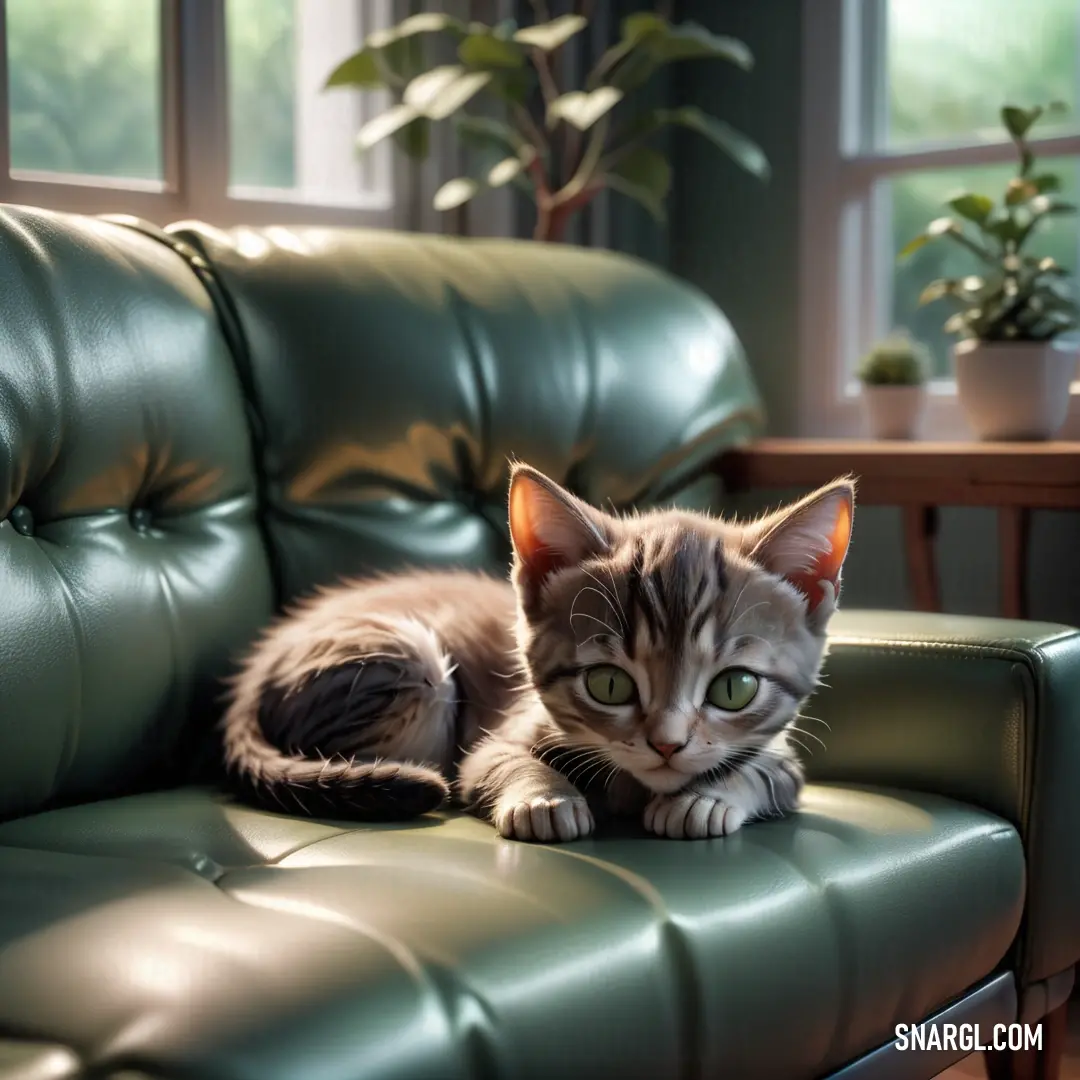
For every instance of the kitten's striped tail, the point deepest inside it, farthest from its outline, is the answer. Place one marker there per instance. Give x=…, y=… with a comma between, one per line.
x=293, y=752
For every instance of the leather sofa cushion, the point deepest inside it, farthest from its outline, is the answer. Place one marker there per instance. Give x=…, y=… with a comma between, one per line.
x=240, y=944
x=394, y=374
x=131, y=563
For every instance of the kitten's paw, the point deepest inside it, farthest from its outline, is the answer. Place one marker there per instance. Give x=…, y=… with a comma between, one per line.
x=691, y=817
x=546, y=819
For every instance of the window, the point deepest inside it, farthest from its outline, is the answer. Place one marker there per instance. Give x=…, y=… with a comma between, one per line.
x=901, y=112
x=190, y=108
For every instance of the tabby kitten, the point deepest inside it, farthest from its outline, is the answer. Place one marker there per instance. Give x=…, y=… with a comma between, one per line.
x=651, y=664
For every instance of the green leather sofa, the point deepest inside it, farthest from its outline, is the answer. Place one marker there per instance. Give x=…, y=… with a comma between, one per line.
x=196, y=426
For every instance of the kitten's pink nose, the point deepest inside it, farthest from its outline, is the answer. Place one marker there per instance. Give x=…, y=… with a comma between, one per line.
x=666, y=749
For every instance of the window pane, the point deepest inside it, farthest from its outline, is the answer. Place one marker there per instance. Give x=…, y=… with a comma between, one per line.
x=288, y=137
x=85, y=86
x=952, y=65
x=917, y=199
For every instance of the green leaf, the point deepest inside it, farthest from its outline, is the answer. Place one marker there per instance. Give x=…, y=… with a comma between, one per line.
x=1046, y=183
x=512, y=85
x=634, y=71
x=384, y=125
x=440, y=92
x=744, y=151
x=402, y=59
x=505, y=171
x=551, y=35
x=414, y=139
x=637, y=27
x=741, y=149
x=976, y=208
x=685, y=41
x=914, y=245
x=582, y=109
x=648, y=42
x=644, y=175
x=455, y=193
x=690, y=41
x=360, y=69
x=487, y=51
x=430, y=23
x=936, y=290
x=1007, y=229
x=1042, y=206
x=1018, y=121
x=486, y=133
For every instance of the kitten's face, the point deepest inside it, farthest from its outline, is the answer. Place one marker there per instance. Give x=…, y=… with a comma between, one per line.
x=673, y=643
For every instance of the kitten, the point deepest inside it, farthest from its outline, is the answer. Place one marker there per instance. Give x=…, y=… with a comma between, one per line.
x=651, y=664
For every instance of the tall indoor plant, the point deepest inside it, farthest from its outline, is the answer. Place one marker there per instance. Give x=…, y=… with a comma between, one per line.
x=562, y=146
x=1012, y=372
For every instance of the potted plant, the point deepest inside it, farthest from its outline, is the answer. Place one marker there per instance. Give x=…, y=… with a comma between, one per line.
x=893, y=376
x=1012, y=372
x=560, y=145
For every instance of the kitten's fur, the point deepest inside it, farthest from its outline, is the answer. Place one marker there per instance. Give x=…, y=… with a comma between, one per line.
x=380, y=698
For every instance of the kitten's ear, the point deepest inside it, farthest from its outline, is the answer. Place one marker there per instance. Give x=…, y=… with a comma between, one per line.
x=549, y=527
x=806, y=543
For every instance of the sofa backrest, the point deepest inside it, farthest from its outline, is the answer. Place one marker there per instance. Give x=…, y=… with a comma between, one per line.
x=394, y=374
x=169, y=401
x=131, y=563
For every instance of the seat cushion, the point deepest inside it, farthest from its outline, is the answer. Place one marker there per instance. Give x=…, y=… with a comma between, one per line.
x=239, y=944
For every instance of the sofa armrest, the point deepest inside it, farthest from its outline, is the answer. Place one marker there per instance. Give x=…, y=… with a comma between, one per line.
x=983, y=710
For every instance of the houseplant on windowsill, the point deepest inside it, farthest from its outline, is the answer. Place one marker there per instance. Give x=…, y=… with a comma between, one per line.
x=893, y=377
x=1012, y=371
x=562, y=146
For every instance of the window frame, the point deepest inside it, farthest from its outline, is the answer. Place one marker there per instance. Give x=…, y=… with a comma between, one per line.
x=844, y=260
x=195, y=143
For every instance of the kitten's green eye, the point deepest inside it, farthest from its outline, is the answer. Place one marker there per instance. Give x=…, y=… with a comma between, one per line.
x=610, y=685
x=732, y=690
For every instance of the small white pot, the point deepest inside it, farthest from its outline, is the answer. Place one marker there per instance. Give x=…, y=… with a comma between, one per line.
x=894, y=412
x=1015, y=390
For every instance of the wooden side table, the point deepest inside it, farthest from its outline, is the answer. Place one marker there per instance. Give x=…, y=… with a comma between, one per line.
x=920, y=477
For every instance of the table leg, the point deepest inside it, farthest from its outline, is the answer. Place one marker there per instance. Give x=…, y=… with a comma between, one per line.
x=1013, y=522
x=920, y=531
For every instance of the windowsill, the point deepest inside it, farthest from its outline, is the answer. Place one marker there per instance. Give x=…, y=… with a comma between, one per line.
x=943, y=421
x=84, y=180
x=361, y=200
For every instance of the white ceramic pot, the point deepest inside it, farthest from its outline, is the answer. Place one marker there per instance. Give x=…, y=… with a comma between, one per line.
x=894, y=412
x=1015, y=390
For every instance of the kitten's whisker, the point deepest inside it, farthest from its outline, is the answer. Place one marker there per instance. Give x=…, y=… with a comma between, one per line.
x=610, y=777
x=742, y=614
x=809, y=735
x=609, y=595
x=603, y=596
x=816, y=719
x=585, y=615
x=801, y=745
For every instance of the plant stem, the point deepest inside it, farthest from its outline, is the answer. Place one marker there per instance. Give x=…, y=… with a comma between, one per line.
x=551, y=220
x=531, y=130
x=586, y=170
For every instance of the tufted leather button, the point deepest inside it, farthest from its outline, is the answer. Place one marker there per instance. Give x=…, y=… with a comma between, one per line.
x=22, y=520
x=141, y=519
